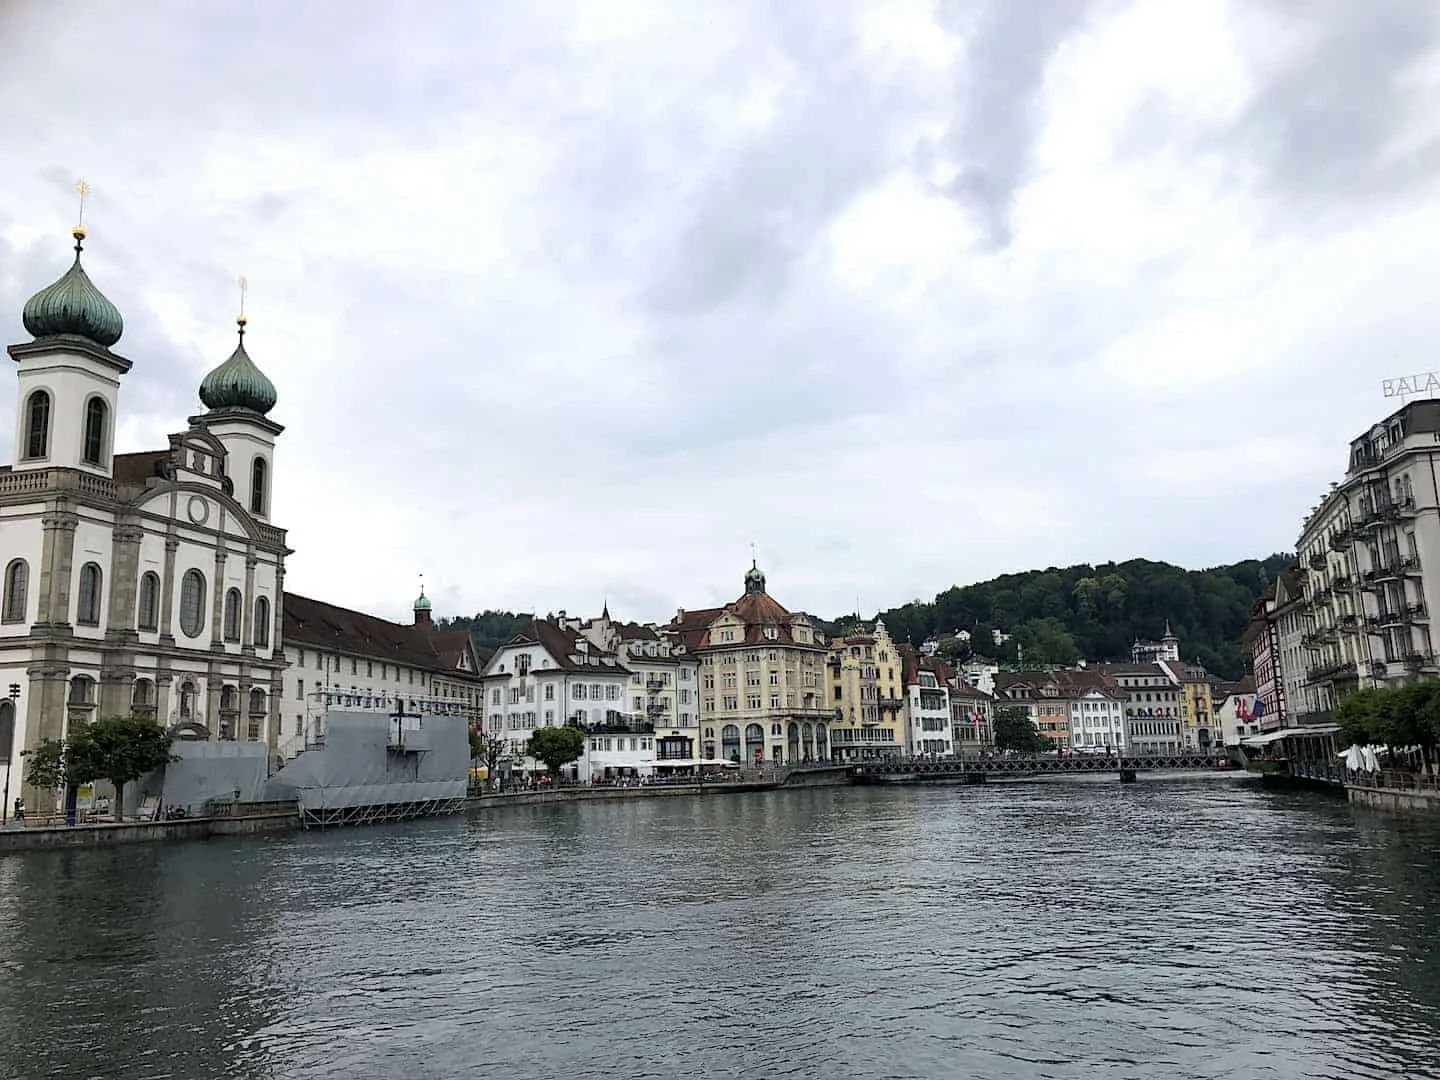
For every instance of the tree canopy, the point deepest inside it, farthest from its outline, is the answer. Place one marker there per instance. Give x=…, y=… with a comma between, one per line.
x=1393, y=716
x=1014, y=730
x=120, y=749
x=556, y=746
x=1096, y=611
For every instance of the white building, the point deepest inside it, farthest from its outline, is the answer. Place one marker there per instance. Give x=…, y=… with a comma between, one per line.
x=146, y=583
x=1370, y=554
x=549, y=675
x=928, y=722
x=1097, y=720
x=1151, y=652
x=1153, y=722
x=338, y=659
x=1235, y=717
x=664, y=684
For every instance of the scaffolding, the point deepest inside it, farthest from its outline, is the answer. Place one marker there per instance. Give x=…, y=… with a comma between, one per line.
x=327, y=817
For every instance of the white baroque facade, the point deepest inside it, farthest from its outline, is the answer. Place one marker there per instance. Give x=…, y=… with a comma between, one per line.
x=142, y=583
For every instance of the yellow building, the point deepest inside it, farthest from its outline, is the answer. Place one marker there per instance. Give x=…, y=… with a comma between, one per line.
x=865, y=694
x=761, y=675
x=1198, y=726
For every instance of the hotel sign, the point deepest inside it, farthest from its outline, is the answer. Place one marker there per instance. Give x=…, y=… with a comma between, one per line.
x=1426, y=382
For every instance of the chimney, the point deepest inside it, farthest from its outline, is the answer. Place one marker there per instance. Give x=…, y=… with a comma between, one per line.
x=680, y=614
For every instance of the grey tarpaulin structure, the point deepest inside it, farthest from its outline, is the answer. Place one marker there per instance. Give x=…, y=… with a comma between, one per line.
x=369, y=766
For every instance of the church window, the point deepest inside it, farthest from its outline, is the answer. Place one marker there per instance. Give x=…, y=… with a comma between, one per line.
x=94, y=448
x=187, y=700
x=88, y=613
x=147, y=616
x=37, y=425
x=17, y=586
x=261, y=633
x=258, y=478
x=257, y=702
x=192, y=603
x=232, y=615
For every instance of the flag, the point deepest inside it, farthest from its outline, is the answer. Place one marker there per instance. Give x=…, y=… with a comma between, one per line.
x=1259, y=710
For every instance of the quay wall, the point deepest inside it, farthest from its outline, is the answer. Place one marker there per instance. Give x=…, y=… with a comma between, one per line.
x=1395, y=800
x=649, y=791
x=52, y=837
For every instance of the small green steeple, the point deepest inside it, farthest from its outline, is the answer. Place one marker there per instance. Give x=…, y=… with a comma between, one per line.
x=238, y=383
x=74, y=307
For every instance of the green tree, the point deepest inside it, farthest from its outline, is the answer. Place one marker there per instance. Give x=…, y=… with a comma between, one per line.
x=1047, y=641
x=120, y=749
x=488, y=748
x=556, y=746
x=1014, y=730
x=45, y=765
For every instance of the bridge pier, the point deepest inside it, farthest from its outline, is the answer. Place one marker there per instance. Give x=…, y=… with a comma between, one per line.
x=1127, y=776
x=975, y=777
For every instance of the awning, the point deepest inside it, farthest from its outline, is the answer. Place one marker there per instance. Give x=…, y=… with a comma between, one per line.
x=1289, y=733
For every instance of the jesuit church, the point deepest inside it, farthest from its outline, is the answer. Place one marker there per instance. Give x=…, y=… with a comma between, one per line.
x=146, y=583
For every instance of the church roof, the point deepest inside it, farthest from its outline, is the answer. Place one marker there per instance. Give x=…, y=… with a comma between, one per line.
x=73, y=307
x=238, y=383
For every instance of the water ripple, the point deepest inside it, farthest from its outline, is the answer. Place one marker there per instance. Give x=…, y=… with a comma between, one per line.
x=1184, y=929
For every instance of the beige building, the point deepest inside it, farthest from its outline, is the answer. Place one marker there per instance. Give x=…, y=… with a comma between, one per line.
x=865, y=695
x=761, y=666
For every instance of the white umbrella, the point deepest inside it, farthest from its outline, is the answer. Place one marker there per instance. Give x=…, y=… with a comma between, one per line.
x=1371, y=763
x=1354, y=759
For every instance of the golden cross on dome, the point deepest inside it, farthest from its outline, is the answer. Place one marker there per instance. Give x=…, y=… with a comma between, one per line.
x=244, y=288
x=83, y=190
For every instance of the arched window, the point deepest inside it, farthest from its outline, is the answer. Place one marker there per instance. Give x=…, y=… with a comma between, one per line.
x=229, y=698
x=257, y=702
x=147, y=615
x=142, y=693
x=262, y=623
x=8, y=753
x=17, y=584
x=94, y=447
x=82, y=690
x=88, y=610
x=192, y=603
x=259, y=474
x=232, y=615
x=37, y=425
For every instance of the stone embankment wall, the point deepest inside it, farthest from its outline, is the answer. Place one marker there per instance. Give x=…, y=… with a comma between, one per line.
x=1395, y=800
x=249, y=821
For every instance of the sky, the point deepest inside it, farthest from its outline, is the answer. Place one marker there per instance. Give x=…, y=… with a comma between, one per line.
x=568, y=302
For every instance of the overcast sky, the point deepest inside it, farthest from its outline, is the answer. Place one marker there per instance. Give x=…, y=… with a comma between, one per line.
x=567, y=300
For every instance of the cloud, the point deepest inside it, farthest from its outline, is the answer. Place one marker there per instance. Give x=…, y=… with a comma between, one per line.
x=563, y=306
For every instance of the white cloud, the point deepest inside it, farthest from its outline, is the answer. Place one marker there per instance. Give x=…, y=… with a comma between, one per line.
x=563, y=303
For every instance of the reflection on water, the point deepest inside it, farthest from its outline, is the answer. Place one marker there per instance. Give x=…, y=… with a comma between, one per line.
x=1186, y=928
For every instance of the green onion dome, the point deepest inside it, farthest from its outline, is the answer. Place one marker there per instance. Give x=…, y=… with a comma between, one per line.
x=422, y=602
x=238, y=383
x=74, y=306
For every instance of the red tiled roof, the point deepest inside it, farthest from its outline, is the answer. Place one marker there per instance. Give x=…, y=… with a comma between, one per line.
x=564, y=647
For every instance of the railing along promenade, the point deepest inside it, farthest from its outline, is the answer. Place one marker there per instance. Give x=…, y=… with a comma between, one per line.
x=1034, y=764
x=1384, y=780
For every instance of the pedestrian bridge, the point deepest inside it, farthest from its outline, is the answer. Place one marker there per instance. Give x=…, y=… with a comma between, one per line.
x=978, y=770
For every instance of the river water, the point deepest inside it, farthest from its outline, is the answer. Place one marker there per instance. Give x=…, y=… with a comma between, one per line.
x=1173, y=928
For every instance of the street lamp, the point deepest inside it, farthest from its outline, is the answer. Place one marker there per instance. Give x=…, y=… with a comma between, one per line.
x=7, y=747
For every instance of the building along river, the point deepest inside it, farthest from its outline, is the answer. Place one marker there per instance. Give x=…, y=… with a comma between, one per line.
x=1172, y=928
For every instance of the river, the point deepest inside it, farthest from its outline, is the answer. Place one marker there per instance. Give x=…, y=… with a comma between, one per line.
x=1172, y=929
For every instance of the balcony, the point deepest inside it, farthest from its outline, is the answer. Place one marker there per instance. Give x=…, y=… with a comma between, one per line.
x=1417, y=612
x=614, y=727
x=1317, y=561
x=1342, y=583
x=1348, y=624
x=1340, y=541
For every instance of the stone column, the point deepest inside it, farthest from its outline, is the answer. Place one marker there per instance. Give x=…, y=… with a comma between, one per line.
x=167, y=591
x=212, y=700
x=247, y=617
x=217, y=603
x=163, y=678
x=56, y=565
x=124, y=578
x=44, y=704
x=277, y=612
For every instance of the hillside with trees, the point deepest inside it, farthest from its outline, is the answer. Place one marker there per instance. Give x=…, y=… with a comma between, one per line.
x=1058, y=616
x=488, y=629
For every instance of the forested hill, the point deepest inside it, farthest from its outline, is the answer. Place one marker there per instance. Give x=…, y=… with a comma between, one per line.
x=488, y=629
x=1097, y=612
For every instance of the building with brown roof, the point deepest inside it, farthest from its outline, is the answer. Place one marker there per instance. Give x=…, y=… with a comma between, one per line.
x=761, y=666
x=343, y=659
x=928, y=719
x=1152, y=707
x=865, y=696
x=971, y=713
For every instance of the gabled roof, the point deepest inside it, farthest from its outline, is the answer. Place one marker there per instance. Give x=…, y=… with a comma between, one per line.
x=756, y=611
x=569, y=651
x=318, y=625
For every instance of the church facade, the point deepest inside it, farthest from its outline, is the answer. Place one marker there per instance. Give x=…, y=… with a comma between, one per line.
x=144, y=583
